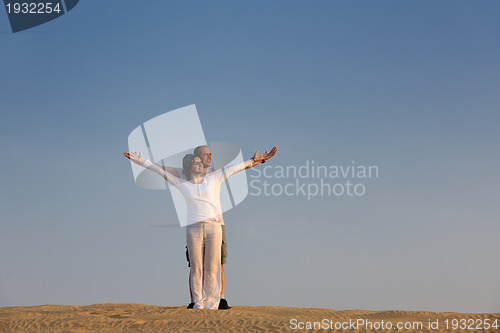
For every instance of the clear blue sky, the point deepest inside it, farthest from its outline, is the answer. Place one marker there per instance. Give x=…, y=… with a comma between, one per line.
x=411, y=87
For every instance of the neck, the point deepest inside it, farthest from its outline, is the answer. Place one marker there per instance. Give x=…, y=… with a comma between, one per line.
x=196, y=176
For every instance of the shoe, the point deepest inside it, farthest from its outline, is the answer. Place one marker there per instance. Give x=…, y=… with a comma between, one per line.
x=223, y=304
x=190, y=306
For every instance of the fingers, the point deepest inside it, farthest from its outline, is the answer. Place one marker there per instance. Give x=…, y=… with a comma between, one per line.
x=133, y=155
x=266, y=155
x=272, y=152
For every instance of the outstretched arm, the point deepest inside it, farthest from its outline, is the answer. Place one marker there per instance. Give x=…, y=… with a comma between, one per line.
x=262, y=158
x=139, y=160
x=174, y=171
x=255, y=160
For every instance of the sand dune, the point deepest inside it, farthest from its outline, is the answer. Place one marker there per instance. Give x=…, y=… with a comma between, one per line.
x=112, y=317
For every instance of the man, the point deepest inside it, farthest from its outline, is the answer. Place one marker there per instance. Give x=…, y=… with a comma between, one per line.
x=205, y=156
x=203, y=152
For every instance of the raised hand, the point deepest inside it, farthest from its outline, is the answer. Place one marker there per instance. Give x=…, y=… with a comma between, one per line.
x=135, y=157
x=267, y=155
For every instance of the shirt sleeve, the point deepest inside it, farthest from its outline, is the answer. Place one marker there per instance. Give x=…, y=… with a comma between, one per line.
x=232, y=169
x=167, y=175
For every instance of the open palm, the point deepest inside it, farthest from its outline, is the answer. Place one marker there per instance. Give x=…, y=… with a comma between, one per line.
x=267, y=155
x=135, y=157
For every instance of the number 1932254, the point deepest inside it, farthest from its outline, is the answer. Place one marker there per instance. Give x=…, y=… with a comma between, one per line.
x=33, y=8
x=472, y=324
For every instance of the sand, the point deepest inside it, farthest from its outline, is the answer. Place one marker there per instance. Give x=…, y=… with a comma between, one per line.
x=112, y=317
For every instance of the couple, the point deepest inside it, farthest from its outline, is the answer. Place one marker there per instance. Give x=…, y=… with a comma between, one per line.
x=201, y=190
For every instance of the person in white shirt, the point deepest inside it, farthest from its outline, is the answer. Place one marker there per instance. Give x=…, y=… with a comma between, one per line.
x=204, y=153
x=203, y=233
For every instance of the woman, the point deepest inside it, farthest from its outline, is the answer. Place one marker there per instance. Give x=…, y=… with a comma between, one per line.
x=203, y=233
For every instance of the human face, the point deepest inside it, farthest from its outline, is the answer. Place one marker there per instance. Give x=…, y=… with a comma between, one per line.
x=205, y=155
x=197, y=166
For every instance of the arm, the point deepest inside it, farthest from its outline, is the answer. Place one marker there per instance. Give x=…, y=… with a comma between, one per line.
x=139, y=160
x=254, y=161
x=230, y=170
x=171, y=170
x=262, y=158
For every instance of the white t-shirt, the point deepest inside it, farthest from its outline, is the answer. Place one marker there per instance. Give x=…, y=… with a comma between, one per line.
x=202, y=200
x=212, y=169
